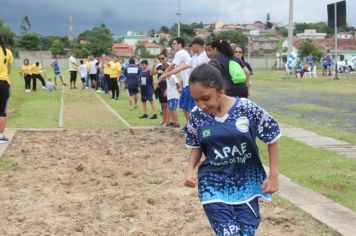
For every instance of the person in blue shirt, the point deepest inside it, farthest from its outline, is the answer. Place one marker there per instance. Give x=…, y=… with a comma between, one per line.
x=132, y=72
x=146, y=88
x=57, y=70
x=231, y=178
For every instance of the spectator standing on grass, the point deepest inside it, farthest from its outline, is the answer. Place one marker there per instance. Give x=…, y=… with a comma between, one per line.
x=115, y=70
x=146, y=88
x=92, y=72
x=158, y=69
x=234, y=71
x=172, y=95
x=73, y=69
x=327, y=62
x=83, y=72
x=36, y=74
x=186, y=102
x=231, y=178
x=26, y=72
x=131, y=73
x=57, y=70
x=239, y=52
x=6, y=61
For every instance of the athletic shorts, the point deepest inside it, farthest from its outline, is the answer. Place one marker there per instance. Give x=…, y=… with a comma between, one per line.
x=146, y=94
x=4, y=97
x=233, y=220
x=73, y=75
x=132, y=91
x=186, y=102
x=57, y=73
x=172, y=104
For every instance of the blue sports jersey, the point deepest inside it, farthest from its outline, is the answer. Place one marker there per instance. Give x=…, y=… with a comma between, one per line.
x=131, y=73
x=232, y=171
x=55, y=65
x=146, y=80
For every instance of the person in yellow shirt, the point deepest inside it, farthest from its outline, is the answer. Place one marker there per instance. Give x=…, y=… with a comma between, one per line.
x=115, y=70
x=26, y=72
x=36, y=74
x=6, y=61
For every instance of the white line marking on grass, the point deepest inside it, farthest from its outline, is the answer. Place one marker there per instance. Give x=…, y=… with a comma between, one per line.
x=61, y=113
x=113, y=111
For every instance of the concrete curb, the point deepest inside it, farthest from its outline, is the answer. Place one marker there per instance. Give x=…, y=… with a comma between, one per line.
x=9, y=133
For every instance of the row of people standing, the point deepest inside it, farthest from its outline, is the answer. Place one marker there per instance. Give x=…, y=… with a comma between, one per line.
x=32, y=73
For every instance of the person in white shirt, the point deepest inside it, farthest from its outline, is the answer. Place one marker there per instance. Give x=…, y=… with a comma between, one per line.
x=186, y=102
x=93, y=72
x=83, y=72
x=172, y=97
x=73, y=67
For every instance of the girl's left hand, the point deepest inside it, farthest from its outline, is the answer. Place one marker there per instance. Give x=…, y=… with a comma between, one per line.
x=271, y=184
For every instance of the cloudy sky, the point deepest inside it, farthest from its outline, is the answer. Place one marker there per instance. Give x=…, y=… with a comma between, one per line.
x=50, y=17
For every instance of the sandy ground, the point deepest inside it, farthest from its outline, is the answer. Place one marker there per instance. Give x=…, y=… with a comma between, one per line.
x=127, y=182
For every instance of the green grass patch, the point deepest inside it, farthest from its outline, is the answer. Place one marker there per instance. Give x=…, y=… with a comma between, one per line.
x=37, y=109
x=310, y=107
x=324, y=171
x=132, y=116
x=6, y=164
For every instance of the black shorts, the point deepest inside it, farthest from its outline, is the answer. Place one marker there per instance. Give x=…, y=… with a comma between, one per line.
x=162, y=87
x=4, y=97
x=238, y=90
x=73, y=75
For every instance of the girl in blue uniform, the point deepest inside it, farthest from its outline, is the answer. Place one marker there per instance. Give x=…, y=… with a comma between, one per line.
x=231, y=178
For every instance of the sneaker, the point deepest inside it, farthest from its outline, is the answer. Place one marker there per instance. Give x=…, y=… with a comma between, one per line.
x=154, y=116
x=143, y=116
x=64, y=84
x=44, y=87
x=161, y=125
x=184, y=130
x=170, y=124
x=175, y=125
x=3, y=139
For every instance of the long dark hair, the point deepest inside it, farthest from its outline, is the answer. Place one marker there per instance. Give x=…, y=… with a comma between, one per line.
x=223, y=47
x=208, y=75
x=2, y=44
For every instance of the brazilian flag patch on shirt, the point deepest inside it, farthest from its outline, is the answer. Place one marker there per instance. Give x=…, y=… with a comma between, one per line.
x=206, y=133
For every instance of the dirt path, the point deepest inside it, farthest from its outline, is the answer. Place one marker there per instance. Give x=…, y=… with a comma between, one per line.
x=127, y=182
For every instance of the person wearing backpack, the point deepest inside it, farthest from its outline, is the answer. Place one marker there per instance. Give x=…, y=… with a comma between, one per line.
x=233, y=70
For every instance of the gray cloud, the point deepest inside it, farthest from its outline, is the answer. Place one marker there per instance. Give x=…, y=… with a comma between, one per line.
x=52, y=17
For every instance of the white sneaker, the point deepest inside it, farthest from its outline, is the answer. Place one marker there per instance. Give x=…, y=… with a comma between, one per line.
x=44, y=87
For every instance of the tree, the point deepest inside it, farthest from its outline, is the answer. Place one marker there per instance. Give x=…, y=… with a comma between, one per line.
x=142, y=51
x=164, y=29
x=25, y=26
x=234, y=36
x=30, y=41
x=8, y=34
x=163, y=41
x=57, y=47
x=81, y=50
x=268, y=22
x=97, y=40
x=282, y=31
x=307, y=47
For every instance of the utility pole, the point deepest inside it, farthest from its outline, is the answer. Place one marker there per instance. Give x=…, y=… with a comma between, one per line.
x=70, y=30
x=290, y=27
x=335, y=32
x=179, y=15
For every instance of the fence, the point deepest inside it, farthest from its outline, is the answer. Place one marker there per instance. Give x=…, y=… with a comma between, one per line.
x=256, y=62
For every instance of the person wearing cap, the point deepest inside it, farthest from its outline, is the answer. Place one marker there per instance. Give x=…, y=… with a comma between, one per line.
x=186, y=102
x=199, y=57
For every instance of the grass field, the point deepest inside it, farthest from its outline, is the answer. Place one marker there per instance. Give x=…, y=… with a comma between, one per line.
x=323, y=171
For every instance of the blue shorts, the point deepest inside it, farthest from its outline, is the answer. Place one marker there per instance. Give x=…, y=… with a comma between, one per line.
x=233, y=220
x=186, y=102
x=132, y=91
x=146, y=94
x=57, y=73
x=173, y=104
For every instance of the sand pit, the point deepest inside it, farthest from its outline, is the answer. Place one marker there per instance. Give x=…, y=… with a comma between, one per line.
x=127, y=182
